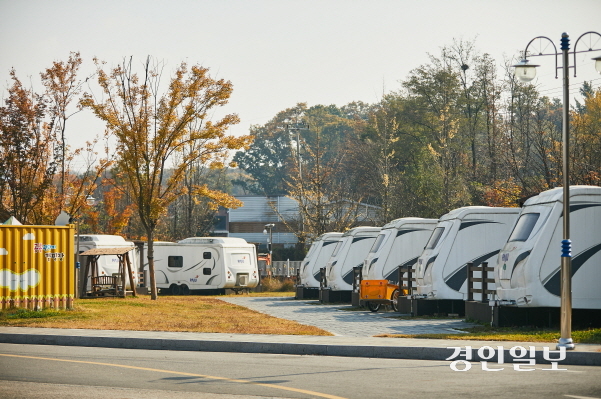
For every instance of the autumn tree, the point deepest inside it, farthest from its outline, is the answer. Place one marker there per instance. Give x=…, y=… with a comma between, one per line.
x=323, y=181
x=586, y=140
x=380, y=160
x=62, y=88
x=72, y=185
x=323, y=199
x=112, y=213
x=434, y=91
x=37, y=161
x=192, y=215
x=154, y=129
x=533, y=131
x=27, y=159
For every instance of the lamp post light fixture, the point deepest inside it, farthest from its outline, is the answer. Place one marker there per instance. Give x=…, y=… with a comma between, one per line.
x=269, y=226
x=598, y=63
x=526, y=72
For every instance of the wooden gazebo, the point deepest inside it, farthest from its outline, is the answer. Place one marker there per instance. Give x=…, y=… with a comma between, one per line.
x=107, y=285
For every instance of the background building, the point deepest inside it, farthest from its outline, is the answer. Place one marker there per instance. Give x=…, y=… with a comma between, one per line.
x=249, y=221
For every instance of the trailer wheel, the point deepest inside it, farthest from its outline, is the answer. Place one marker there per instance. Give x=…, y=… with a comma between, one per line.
x=174, y=289
x=374, y=307
x=184, y=289
x=394, y=301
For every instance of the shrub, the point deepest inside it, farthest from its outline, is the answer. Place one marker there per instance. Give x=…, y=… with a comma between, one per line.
x=271, y=284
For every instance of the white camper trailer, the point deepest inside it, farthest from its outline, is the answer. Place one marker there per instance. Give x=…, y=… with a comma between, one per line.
x=317, y=257
x=108, y=265
x=473, y=234
x=205, y=263
x=350, y=251
x=528, y=269
x=400, y=243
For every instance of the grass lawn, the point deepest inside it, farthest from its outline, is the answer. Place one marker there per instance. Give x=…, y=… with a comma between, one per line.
x=168, y=313
x=522, y=334
x=209, y=314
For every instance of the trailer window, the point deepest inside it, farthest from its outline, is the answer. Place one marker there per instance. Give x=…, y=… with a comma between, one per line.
x=524, y=227
x=175, y=261
x=377, y=244
x=337, y=248
x=206, y=271
x=206, y=255
x=435, y=237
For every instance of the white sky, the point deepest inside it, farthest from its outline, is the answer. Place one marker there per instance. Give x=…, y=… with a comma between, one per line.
x=281, y=52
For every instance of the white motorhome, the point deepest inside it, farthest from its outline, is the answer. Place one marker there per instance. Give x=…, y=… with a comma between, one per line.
x=350, y=251
x=317, y=257
x=473, y=234
x=205, y=263
x=400, y=243
x=528, y=272
x=108, y=264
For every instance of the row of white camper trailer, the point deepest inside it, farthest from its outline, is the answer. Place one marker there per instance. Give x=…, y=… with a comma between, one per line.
x=522, y=244
x=197, y=263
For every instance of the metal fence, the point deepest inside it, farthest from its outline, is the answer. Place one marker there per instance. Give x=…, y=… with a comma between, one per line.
x=284, y=268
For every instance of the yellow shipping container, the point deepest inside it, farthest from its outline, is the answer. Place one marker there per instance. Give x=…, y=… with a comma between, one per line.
x=37, y=266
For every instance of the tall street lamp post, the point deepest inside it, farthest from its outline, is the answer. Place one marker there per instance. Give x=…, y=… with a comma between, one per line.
x=526, y=72
x=298, y=127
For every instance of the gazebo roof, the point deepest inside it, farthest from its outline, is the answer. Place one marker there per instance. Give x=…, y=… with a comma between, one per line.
x=107, y=251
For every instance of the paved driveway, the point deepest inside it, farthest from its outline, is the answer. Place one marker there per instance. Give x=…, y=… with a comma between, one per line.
x=344, y=320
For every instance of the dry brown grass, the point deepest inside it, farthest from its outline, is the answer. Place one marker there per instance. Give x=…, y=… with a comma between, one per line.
x=168, y=313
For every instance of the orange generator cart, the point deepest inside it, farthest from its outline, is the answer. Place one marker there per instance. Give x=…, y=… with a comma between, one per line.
x=375, y=293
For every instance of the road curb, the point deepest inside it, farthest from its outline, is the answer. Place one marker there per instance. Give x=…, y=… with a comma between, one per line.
x=287, y=348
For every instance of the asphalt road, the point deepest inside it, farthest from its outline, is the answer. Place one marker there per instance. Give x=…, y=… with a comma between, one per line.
x=31, y=371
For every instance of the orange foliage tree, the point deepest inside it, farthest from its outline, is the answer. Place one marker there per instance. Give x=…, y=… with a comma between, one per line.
x=586, y=142
x=36, y=163
x=502, y=193
x=27, y=162
x=154, y=130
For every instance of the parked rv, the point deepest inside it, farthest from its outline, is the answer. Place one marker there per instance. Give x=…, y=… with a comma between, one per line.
x=350, y=251
x=400, y=243
x=108, y=265
x=528, y=269
x=205, y=263
x=473, y=234
x=317, y=257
